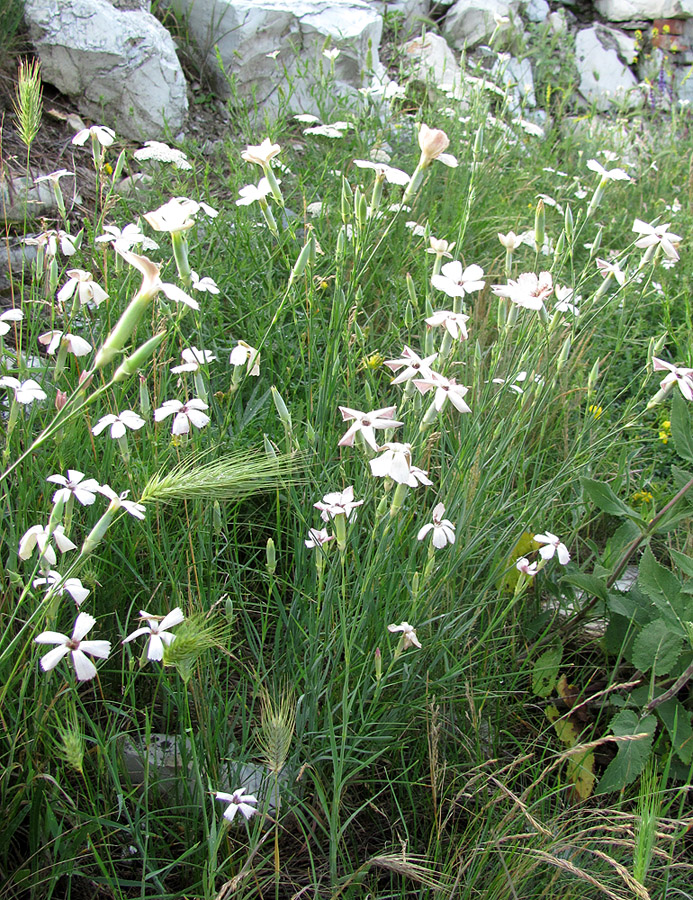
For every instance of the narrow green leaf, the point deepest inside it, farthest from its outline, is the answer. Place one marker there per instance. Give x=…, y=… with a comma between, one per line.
x=545, y=671
x=632, y=755
x=605, y=499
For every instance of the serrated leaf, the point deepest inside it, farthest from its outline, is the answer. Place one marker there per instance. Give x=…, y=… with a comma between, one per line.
x=685, y=563
x=590, y=584
x=681, y=427
x=580, y=773
x=545, y=671
x=604, y=498
x=632, y=755
x=660, y=585
x=681, y=478
x=677, y=721
x=657, y=647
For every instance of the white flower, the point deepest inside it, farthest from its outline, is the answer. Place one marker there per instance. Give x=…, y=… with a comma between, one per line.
x=250, y=193
x=454, y=323
x=416, y=229
x=318, y=538
x=127, y=238
x=445, y=389
x=237, y=801
x=529, y=290
x=677, y=375
x=186, y=414
x=335, y=130
x=526, y=567
x=332, y=54
x=455, y=282
x=157, y=628
x=87, y=289
x=177, y=215
x=74, y=486
x=567, y=301
x=306, y=119
x=262, y=154
x=510, y=241
x=245, y=355
x=126, y=419
x=366, y=423
x=54, y=177
x=48, y=242
x=54, y=581
x=409, y=638
x=607, y=268
x=206, y=284
x=552, y=545
x=120, y=501
x=84, y=668
x=193, y=359
x=24, y=391
x=337, y=503
x=395, y=463
x=38, y=536
x=607, y=174
x=10, y=315
x=72, y=342
x=389, y=173
x=104, y=135
x=443, y=529
x=657, y=234
x=414, y=366
x=440, y=247
x=160, y=152
x=432, y=143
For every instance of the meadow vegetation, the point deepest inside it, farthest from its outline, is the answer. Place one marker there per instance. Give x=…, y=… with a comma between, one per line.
x=324, y=460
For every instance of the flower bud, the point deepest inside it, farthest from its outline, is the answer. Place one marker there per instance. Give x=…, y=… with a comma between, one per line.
x=378, y=664
x=280, y=406
x=303, y=258
x=60, y=400
x=271, y=557
x=539, y=226
x=137, y=359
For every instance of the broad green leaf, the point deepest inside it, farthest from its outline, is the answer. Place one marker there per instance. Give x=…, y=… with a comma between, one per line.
x=677, y=721
x=545, y=671
x=681, y=427
x=632, y=755
x=590, y=584
x=685, y=563
x=625, y=534
x=681, y=478
x=661, y=586
x=604, y=498
x=657, y=647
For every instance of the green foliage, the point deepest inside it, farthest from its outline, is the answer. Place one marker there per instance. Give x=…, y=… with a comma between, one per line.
x=633, y=751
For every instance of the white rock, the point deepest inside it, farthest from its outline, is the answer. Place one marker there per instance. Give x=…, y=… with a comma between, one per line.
x=471, y=22
x=628, y=10
x=604, y=80
x=516, y=75
x=431, y=60
x=20, y=198
x=537, y=10
x=558, y=21
x=257, y=40
x=411, y=10
x=120, y=67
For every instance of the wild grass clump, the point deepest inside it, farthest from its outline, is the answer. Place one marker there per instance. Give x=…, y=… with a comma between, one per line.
x=321, y=470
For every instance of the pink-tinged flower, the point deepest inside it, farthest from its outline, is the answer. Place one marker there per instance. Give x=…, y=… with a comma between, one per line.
x=433, y=142
x=10, y=315
x=338, y=503
x=526, y=567
x=103, y=134
x=38, y=536
x=193, y=359
x=84, y=491
x=252, y=194
x=552, y=546
x=443, y=529
x=119, y=423
x=127, y=238
x=245, y=355
x=529, y=290
x=409, y=638
x=88, y=291
x=446, y=389
x=54, y=581
x=383, y=171
x=261, y=154
x=238, y=801
x=157, y=628
x=413, y=365
x=657, y=234
x=120, y=501
x=395, y=462
x=24, y=391
x=77, y=646
x=366, y=423
x=677, y=375
x=187, y=414
x=73, y=343
x=606, y=269
x=456, y=282
x=607, y=174
x=454, y=323
x=318, y=537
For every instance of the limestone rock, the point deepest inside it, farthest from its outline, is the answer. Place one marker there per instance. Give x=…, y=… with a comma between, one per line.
x=431, y=60
x=21, y=199
x=516, y=75
x=410, y=10
x=604, y=79
x=471, y=22
x=537, y=10
x=630, y=10
x=120, y=66
x=261, y=42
